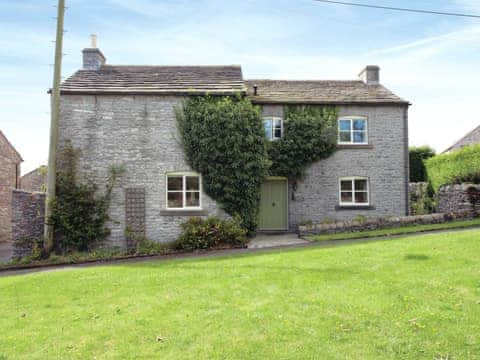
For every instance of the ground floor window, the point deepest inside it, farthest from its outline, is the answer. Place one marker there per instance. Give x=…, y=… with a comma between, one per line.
x=354, y=191
x=183, y=191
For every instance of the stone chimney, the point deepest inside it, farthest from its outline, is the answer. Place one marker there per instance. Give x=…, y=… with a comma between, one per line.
x=370, y=75
x=93, y=58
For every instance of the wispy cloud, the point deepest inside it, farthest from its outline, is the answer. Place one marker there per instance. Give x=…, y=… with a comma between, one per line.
x=437, y=42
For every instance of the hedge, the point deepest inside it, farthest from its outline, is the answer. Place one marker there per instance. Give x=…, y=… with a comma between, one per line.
x=417, y=156
x=454, y=168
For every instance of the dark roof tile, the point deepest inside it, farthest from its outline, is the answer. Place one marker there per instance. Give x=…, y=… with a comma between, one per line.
x=319, y=91
x=157, y=80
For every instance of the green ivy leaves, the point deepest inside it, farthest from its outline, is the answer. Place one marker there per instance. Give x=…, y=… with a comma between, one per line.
x=309, y=135
x=223, y=139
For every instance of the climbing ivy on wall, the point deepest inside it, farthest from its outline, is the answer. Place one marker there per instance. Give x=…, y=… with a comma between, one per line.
x=224, y=140
x=80, y=214
x=309, y=135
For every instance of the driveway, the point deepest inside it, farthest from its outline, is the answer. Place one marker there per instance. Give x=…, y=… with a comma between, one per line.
x=5, y=251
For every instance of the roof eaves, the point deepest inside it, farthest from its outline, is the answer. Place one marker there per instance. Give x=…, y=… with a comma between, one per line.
x=258, y=100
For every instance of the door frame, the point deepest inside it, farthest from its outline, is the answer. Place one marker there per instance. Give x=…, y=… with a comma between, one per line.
x=279, y=178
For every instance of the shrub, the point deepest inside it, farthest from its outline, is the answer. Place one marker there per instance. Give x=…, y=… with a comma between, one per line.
x=224, y=140
x=422, y=200
x=79, y=214
x=309, y=135
x=212, y=232
x=417, y=156
x=454, y=168
x=141, y=245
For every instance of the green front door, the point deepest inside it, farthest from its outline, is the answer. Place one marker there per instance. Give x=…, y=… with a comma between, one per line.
x=273, y=205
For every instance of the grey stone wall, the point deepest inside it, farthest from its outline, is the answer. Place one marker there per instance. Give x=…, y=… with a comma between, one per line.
x=384, y=162
x=381, y=223
x=452, y=198
x=140, y=133
x=28, y=218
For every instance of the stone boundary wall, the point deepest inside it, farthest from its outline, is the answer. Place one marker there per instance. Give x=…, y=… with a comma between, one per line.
x=28, y=217
x=417, y=188
x=454, y=198
x=381, y=223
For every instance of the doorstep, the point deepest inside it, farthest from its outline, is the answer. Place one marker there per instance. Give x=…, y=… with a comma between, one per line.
x=274, y=239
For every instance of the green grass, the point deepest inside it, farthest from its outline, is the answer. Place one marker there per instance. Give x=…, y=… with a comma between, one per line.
x=413, y=298
x=396, y=231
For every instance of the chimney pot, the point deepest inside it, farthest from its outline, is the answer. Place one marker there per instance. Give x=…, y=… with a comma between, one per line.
x=93, y=41
x=370, y=75
x=255, y=89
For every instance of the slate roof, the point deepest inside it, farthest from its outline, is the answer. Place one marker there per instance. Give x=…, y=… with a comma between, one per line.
x=113, y=79
x=320, y=92
x=222, y=80
x=471, y=138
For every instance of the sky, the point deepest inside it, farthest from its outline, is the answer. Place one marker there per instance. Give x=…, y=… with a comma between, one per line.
x=431, y=61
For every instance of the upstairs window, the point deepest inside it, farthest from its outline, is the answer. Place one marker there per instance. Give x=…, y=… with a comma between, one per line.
x=354, y=191
x=273, y=128
x=183, y=191
x=352, y=130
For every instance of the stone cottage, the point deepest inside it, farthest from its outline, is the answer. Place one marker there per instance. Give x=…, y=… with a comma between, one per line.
x=10, y=161
x=125, y=114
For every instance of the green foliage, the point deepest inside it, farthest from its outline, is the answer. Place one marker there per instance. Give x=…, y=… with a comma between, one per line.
x=309, y=135
x=422, y=200
x=141, y=245
x=79, y=214
x=417, y=156
x=209, y=233
x=454, y=168
x=224, y=140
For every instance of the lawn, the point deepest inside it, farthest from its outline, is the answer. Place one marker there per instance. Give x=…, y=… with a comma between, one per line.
x=403, y=230
x=410, y=298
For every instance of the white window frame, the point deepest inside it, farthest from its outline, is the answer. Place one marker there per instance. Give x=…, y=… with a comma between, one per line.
x=352, y=118
x=272, y=119
x=184, y=175
x=352, y=179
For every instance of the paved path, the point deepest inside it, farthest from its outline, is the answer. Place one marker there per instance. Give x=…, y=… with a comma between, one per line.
x=5, y=251
x=267, y=241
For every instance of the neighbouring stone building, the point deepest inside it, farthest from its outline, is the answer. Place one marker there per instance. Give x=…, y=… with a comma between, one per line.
x=35, y=180
x=471, y=138
x=126, y=115
x=10, y=161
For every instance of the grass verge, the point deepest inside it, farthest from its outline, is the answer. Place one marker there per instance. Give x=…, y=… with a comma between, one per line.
x=396, y=231
x=415, y=298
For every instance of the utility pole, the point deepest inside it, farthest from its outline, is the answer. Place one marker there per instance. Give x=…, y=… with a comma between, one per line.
x=55, y=115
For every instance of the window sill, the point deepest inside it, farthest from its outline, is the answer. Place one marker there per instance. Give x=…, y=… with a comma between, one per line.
x=354, y=207
x=186, y=212
x=354, y=146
